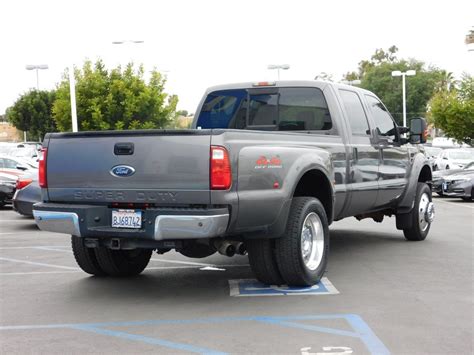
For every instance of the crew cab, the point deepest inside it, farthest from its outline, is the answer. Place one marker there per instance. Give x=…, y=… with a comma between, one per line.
x=266, y=169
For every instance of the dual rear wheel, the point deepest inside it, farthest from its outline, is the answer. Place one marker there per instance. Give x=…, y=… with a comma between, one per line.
x=299, y=258
x=107, y=262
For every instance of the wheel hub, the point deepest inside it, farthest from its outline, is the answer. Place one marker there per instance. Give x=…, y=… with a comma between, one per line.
x=426, y=212
x=312, y=241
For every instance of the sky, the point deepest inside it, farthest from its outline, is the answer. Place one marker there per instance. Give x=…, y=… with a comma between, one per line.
x=209, y=42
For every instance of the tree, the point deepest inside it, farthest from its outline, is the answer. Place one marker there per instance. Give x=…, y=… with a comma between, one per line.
x=183, y=113
x=453, y=111
x=32, y=112
x=115, y=99
x=376, y=75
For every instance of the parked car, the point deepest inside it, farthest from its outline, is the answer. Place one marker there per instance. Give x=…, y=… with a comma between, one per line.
x=437, y=183
x=28, y=192
x=7, y=187
x=257, y=172
x=15, y=165
x=459, y=184
x=432, y=153
x=454, y=159
x=26, y=152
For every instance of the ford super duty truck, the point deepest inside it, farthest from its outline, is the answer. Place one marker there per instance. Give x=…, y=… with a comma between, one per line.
x=266, y=169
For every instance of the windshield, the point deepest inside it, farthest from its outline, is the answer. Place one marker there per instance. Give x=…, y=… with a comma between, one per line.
x=432, y=152
x=462, y=154
x=283, y=109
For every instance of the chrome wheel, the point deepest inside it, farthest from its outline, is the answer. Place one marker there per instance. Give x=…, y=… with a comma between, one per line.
x=425, y=212
x=312, y=241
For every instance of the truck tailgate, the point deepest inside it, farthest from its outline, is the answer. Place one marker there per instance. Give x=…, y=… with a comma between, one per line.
x=170, y=167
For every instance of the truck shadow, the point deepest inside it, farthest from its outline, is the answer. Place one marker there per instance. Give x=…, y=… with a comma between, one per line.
x=201, y=286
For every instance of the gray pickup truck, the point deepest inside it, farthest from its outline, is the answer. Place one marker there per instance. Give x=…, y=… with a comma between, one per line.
x=266, y=169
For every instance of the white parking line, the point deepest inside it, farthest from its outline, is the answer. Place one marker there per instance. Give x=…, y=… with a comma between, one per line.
x=35, y=247
x=460, y=204
x=38, y=264
x=181, y=262
x=37, y=273
x=53, y=249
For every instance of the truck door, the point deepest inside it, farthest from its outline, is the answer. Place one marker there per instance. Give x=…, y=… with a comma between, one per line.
x=394, y=165
x=364, y=160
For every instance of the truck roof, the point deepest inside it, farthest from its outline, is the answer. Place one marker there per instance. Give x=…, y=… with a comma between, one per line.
x=285, y=83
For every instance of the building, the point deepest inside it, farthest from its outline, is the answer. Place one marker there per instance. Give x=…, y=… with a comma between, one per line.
x=8, y=133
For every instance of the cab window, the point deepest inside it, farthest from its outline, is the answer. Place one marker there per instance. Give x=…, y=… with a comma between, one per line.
x=383, y=120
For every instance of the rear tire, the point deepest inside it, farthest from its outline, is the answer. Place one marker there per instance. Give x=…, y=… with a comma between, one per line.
x=122, y=263
x=420, y=226
x=85, y=257
x=302, y=253
x=262, y=260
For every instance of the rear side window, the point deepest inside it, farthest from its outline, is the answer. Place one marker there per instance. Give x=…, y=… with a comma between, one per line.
x=283, y=109
x=355, y=112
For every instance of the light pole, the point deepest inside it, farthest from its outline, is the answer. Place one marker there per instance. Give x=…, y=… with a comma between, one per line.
x=36, y=67
x=351, y=82
x=403, y=74
x=278, y=67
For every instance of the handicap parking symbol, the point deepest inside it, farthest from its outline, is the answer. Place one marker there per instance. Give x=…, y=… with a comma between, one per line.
x=250, y=287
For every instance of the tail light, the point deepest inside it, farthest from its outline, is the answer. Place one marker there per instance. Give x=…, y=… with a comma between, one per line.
x=43, y=182
x=22, y=183
x=221, y=174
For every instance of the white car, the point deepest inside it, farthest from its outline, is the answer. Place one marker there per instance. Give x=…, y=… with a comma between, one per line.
x=453, y=159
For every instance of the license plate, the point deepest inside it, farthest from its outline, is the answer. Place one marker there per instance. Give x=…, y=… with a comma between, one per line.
x=126, y=219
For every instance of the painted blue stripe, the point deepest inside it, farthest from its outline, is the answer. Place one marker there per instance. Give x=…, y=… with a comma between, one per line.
x=314, y=328
x=149, y=340
x=371, y=341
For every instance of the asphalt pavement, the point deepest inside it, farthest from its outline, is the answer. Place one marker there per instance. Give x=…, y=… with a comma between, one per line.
x=381, y=295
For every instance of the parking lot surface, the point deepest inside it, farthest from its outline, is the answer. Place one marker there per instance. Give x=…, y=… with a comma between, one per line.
x=385, y=295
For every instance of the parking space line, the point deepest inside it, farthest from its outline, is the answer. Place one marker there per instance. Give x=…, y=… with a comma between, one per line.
x=37, y=273
x=360, y=329
x=38, y=264
x=181, y=262
x=35, y=247
x=149, y=340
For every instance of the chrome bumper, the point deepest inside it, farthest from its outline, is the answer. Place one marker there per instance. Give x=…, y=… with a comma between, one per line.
x=190, y=227
x=58, y=222
x=166, y=227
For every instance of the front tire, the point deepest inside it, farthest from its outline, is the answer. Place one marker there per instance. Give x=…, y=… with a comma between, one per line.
x=122, y=263
x=422, y=214
x=85, y=257
x=302, y=253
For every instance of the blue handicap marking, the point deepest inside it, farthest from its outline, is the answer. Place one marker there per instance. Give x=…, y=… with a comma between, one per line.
x=250, y=287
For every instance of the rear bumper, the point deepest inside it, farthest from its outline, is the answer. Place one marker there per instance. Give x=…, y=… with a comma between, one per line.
x=157, y=223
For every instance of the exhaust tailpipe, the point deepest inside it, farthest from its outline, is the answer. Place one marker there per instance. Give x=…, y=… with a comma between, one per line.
x=240, y=248
x=225, y=248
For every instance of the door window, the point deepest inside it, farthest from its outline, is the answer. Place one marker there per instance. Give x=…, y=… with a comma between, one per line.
x=355, y=112
x=383, y=121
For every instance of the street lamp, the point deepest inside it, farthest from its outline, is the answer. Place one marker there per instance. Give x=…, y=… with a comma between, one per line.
x=37, y=67
x=128, y=41
x=278, y=67
x=72, y=86
x=403, y=74
x=351, y=82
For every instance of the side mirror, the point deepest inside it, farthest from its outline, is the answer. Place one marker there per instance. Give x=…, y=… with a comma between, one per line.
x=418, y=131
x=21, y=167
